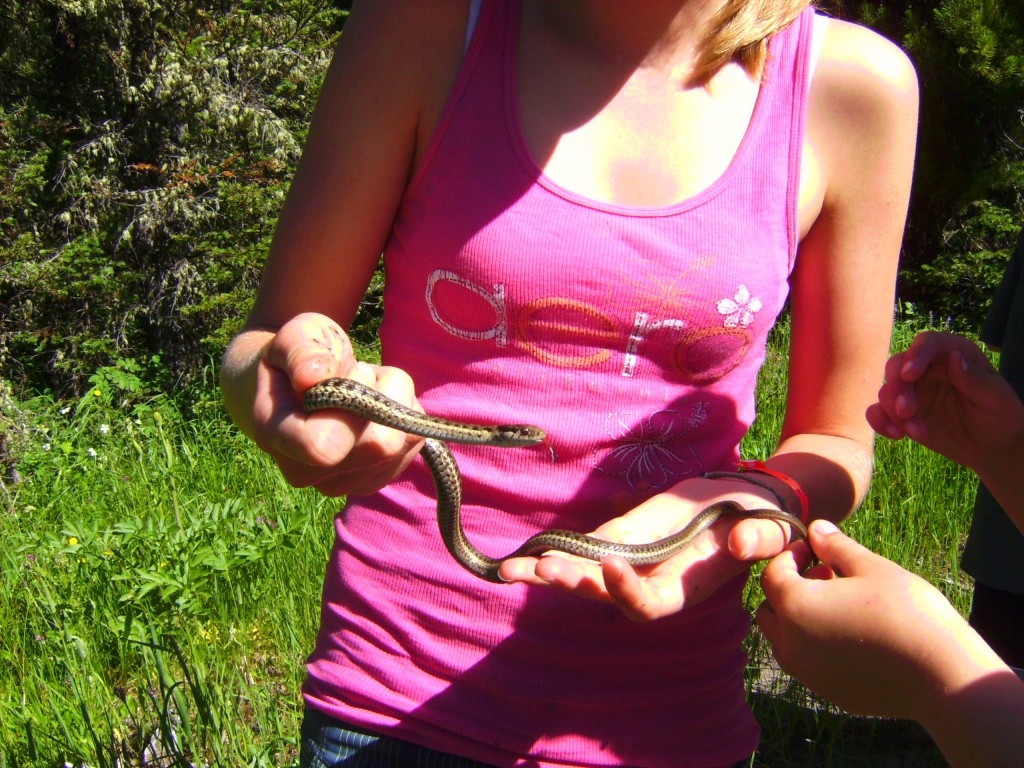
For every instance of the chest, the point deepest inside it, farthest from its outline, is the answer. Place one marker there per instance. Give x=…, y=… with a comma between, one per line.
x=632, y=132
x=632, y=138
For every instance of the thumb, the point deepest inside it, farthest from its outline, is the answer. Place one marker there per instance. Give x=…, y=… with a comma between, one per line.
x=309, y=348
x=837, y=550
x=974, y=377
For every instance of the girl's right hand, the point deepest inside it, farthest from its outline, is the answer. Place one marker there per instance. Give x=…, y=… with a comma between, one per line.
x=333, y=451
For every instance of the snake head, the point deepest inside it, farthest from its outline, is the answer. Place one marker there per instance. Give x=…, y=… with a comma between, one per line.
x=514, y=435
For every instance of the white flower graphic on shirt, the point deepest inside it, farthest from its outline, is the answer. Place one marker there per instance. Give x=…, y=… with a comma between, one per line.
x=651, y=451
x=740, y=309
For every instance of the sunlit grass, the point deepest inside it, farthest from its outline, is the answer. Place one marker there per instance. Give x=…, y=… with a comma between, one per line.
x=160, y=591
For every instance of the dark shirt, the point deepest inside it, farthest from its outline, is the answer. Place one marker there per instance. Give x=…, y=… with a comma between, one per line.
x=994, y=554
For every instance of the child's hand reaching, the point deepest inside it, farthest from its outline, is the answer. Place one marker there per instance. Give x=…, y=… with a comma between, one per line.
x=859, y=629
x=945, y=394
x=878, y=640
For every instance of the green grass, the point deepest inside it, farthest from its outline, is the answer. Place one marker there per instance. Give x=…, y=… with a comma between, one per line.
x=160, y=586
x=159, y=594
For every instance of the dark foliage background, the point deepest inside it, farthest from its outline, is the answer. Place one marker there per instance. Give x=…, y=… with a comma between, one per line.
x=966, y=208
x=145, y=149
x=144, y=153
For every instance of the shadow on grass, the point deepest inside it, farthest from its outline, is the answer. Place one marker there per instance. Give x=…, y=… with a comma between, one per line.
x=801, y=731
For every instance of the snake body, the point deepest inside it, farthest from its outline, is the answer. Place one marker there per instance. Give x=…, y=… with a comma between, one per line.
x=351, y=396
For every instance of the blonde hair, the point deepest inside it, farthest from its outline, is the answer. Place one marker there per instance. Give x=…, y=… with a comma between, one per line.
x=739, y=31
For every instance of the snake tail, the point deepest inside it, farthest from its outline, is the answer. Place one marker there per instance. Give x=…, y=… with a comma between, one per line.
x=448, y=484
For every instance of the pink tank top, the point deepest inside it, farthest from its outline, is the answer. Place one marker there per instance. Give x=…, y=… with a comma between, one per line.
x=633, y=336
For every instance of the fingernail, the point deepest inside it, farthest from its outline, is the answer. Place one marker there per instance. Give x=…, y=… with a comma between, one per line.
x=891, y=432
x=824, y=527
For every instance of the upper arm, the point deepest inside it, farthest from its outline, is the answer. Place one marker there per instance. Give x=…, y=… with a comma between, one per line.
x=861, y=133
x=391, y=70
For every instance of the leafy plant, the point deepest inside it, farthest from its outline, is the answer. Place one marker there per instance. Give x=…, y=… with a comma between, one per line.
x=143, y=152
x=159, y=584
x=968, y=197
x=963, y=278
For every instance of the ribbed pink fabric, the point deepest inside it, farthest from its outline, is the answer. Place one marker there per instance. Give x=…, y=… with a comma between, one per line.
x=634, y=337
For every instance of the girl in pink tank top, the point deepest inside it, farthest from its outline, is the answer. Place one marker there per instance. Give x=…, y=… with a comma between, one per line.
x=589, y=223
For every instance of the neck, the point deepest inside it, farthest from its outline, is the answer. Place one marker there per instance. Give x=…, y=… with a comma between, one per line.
x=652, y=33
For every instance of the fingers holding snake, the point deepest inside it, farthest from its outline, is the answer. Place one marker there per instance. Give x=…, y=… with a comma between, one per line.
x=689, y=574
x=340, y=452
x=361, y=456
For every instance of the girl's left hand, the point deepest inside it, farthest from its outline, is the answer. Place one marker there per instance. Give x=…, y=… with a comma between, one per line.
x=723, y=552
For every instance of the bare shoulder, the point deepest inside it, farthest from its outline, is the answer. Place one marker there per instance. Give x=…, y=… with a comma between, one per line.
x=408, y=42
x=859, y=67
x=862, y=113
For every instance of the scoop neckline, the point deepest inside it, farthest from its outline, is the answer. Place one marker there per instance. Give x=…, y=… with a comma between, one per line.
x=513, y=124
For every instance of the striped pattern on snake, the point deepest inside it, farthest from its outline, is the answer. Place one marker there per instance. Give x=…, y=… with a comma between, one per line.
x=363, y=401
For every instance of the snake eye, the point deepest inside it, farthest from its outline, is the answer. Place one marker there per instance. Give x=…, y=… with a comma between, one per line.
x=530, y=434
x=519, y=435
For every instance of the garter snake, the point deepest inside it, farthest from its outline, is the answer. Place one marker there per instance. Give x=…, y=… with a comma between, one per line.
x=370, y=404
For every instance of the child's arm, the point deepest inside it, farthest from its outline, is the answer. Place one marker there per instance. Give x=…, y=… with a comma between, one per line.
x=876, y=639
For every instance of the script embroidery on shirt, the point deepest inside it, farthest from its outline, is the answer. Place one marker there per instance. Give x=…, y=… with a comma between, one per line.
x=570, y=333
x=496, y=299
x=708, y=354
x=550, y=331
x=643, y=327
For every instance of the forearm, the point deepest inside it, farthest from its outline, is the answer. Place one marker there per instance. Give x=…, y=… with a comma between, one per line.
x=978, y=709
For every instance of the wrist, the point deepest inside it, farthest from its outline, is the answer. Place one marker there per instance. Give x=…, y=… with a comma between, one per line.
x=956, y=659
x=784, y=490
x=713, y=487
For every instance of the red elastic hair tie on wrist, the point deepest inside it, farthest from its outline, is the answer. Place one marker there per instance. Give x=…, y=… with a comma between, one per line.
x=755, y=465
